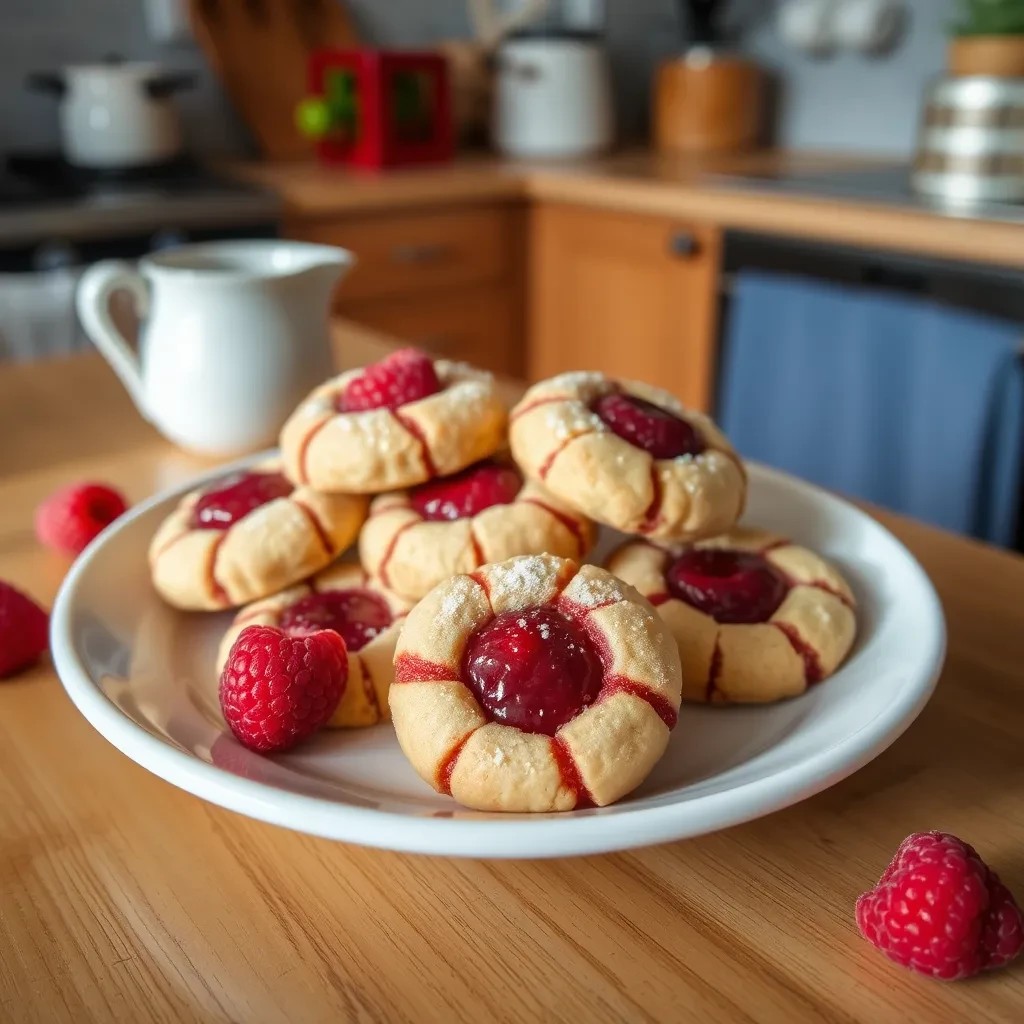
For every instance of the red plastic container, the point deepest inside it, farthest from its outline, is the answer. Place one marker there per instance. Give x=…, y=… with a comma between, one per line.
x=381, y=108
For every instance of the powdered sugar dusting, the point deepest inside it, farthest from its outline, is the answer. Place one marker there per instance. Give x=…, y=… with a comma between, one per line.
x=375, y=430
x=522, y=581
x=590, y=591
x=569, y=419
x=460, y=590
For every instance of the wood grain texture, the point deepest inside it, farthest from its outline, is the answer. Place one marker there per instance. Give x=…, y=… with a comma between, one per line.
x=122, y=898
x=419, y=252
x=658, y=184
x=260, y=51
x=707, y=107
x=633, y=296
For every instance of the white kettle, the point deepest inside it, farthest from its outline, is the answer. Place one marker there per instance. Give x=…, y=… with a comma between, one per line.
x=553, y=96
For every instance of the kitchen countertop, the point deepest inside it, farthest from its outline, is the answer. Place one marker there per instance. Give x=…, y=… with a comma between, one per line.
x=123, y=898
x=645, y=182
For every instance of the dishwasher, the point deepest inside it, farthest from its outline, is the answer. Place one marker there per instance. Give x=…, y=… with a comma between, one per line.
x=994, y=291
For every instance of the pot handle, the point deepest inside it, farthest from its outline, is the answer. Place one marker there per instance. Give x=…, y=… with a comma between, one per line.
x=162, y=86
x=92, y=300
x=47, y=81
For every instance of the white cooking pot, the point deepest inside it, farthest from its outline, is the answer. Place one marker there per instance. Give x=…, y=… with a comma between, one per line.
x=116, y=114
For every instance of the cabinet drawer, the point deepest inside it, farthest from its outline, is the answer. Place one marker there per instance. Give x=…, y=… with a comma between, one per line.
x=479, y=325
x=406, y=253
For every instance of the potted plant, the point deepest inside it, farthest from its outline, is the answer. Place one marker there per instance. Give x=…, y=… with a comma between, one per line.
x=988, y=39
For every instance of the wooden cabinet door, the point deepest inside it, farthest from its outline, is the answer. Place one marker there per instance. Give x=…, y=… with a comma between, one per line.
x=419, y=251
x=632, y=295
x=479, y=325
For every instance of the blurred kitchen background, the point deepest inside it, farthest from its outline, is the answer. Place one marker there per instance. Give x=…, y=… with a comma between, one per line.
x=805, y=216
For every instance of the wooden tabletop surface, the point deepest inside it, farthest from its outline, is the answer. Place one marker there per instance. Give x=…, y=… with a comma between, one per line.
x=123, y=898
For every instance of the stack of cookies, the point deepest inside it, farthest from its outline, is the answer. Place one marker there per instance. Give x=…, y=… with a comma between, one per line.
x=518, y=677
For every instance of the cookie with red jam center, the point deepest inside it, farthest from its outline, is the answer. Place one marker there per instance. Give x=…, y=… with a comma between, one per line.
x=756, y=617
x=246, y=536
x=414, y=539
x=399, y=422
x=628, y=455
x=534, y=684
x=367, y=617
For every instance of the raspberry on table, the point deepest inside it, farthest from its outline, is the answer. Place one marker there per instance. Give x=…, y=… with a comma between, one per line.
x=402, y=377
x=24, y=629
x=72, y=516
x=939, y=910
x=277, y=690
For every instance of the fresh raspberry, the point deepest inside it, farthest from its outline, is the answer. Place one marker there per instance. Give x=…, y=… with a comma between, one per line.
x=71, y=517
x=236, y=497
x=657, y=431
x=357, y=615
x=23, y=630
x=465, y=494
x=730, y=586
x=939, y=910
x=534, y=670
x=404, y=376
x=277, y=690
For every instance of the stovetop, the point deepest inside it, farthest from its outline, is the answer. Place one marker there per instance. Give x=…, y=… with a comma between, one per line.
x=42, y=196
x=889, y=186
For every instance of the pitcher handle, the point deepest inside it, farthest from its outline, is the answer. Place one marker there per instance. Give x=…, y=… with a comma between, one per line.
x=95, y=289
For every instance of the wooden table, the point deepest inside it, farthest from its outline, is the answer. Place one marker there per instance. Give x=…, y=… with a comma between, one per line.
x=123, y=898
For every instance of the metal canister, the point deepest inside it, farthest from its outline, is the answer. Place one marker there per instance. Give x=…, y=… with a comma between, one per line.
x=971, y=144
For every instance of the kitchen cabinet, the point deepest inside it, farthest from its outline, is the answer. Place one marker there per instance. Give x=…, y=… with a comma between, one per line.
x=481, y=325
x=449, y=280
x=633, y=295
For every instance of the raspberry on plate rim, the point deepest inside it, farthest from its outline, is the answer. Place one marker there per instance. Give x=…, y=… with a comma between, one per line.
x=277, y=690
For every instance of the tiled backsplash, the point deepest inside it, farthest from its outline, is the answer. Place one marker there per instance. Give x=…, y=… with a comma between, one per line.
x=878, y=97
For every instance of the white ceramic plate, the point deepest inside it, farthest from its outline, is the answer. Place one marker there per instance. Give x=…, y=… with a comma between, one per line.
x=143, y=675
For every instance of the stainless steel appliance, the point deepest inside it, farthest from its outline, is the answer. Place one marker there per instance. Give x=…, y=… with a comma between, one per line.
x=56, y=219
x=889, y=185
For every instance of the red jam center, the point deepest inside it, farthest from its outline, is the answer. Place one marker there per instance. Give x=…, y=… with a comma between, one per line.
x=730, y=586
x=657, y=431
x=465, y=494
x=221, y=508
x=534, y=670
x=357, y=615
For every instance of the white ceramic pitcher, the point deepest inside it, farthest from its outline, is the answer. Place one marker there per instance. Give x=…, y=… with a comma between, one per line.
x=233, y=335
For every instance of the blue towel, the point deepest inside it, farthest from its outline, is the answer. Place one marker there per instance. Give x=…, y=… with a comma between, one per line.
x=887, y=397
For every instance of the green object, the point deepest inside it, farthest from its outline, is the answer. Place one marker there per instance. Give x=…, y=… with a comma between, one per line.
x=313, y=117
x=989, y=18
x=335, y=113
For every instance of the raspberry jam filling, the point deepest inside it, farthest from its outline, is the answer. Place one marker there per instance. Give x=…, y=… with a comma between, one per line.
x=730, y=586
x=404, y=376
x=534, y=670
x=645, y=425
x=466, y=493
x=357, y=615
x=221, y=508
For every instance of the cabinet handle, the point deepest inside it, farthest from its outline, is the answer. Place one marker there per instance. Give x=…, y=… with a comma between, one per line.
x=683, y=243
x=430, y=252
